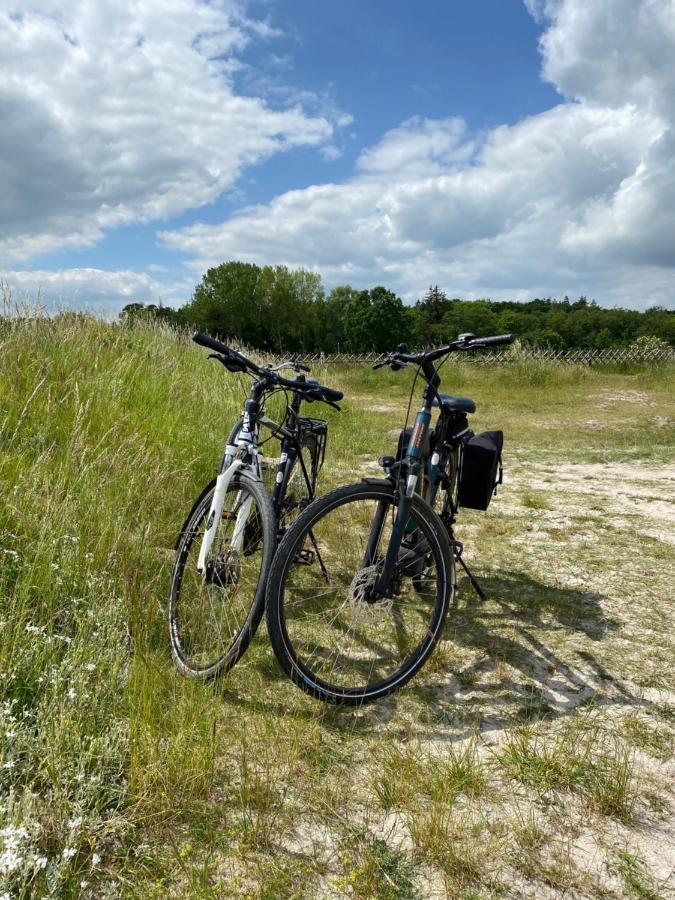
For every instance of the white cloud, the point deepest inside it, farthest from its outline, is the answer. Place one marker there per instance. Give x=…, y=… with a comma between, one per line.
x=418, y=146
x=93, y=289
x=579, y=199
x=613, y=52
x=115, y=111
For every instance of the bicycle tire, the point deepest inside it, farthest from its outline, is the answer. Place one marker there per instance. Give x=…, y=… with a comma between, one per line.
x=281, y=596
x=241, y=623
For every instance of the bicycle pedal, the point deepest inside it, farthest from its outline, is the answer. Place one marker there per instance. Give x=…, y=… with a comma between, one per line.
x=304, y=557
x=458, y=549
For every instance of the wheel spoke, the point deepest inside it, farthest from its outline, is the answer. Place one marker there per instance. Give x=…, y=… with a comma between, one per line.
x=346, y=638
x=210, y=614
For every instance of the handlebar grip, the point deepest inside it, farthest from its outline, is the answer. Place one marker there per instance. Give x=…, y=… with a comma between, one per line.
x=210, y=342
x=330, y=394
x=496, y=340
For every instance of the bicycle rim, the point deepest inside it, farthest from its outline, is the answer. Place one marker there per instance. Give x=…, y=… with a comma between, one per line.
x=330, y=639
x=212, y=619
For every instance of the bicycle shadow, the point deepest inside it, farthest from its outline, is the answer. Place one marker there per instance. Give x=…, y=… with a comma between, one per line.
x=522, y=655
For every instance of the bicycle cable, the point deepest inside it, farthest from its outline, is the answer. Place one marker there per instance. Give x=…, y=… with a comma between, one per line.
x=410, y=399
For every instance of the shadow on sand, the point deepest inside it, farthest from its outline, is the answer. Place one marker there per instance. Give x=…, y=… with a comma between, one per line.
x=524, y=654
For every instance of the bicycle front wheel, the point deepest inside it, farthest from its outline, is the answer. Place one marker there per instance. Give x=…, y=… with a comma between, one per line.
x=213, y=615
x=330, y=636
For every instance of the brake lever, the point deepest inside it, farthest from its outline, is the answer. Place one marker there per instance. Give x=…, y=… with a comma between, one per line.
x=231, y=363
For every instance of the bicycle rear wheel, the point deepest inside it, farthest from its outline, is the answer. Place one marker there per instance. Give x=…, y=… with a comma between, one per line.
x=331, y=639
x=212, y=618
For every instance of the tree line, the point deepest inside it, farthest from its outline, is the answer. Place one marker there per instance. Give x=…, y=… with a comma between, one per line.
x=275, y=308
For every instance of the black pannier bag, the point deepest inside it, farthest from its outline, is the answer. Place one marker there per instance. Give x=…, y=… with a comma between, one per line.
x=481, y=469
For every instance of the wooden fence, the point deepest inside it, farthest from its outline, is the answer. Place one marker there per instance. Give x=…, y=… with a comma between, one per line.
x=494, y=357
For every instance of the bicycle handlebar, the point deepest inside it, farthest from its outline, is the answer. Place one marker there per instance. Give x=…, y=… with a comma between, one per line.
x=227, y=355
x=210, y=343
x=496, y=340
x=465, y=342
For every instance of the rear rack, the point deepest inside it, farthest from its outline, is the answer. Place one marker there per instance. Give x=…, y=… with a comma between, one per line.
x=319, y=428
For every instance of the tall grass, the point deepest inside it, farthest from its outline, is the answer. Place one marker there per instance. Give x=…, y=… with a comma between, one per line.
x=114, y=771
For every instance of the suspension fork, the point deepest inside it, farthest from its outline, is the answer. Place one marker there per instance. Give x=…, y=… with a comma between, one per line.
x=419, y=440
x=248, y=439
x=375, y=533
x=217, y=502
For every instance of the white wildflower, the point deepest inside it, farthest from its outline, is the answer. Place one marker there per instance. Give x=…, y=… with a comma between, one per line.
x=69, y=852
x=95, y=860
x=11, y=836
x=9, y=764
x=55, y=566
x=10, y=860
x=72, y=693
x=75, y=823
x=90, y=667
x=41, y=862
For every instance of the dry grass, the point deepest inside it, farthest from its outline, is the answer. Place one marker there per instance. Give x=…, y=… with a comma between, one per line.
x=531, y=757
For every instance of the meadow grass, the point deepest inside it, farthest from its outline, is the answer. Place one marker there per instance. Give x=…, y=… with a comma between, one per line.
x=534, y=751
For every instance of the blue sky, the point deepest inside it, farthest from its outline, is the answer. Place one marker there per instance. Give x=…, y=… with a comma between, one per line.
x=496, y=148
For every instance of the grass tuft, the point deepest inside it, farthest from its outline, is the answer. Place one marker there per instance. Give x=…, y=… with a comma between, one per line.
x=581, y=758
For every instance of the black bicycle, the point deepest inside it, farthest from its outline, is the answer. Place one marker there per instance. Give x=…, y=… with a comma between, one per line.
x=227, y=542
x=364, y=611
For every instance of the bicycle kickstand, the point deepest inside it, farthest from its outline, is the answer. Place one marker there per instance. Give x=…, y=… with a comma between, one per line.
x=458, y=549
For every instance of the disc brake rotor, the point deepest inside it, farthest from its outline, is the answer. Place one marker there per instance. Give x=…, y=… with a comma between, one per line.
x=364, y=608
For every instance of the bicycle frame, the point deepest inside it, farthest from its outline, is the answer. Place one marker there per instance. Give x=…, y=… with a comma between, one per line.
x=244, y=456
x=424, y=456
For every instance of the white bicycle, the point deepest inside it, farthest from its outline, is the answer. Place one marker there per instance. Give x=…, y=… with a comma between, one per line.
x=225, y=548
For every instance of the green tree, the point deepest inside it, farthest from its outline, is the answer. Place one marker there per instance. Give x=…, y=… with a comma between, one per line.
x=388, y=322
x=228, y=303
x=332, y=321
x=434, y=304
x=286, y=310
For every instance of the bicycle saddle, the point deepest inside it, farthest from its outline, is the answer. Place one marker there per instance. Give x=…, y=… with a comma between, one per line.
x=456, y=404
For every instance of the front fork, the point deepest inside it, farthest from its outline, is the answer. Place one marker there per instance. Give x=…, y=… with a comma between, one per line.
x=418, y=441
x=229, y=468
x=216, y=510
x=381, y=586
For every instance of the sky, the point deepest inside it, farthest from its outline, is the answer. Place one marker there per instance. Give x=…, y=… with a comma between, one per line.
x=497, y=148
